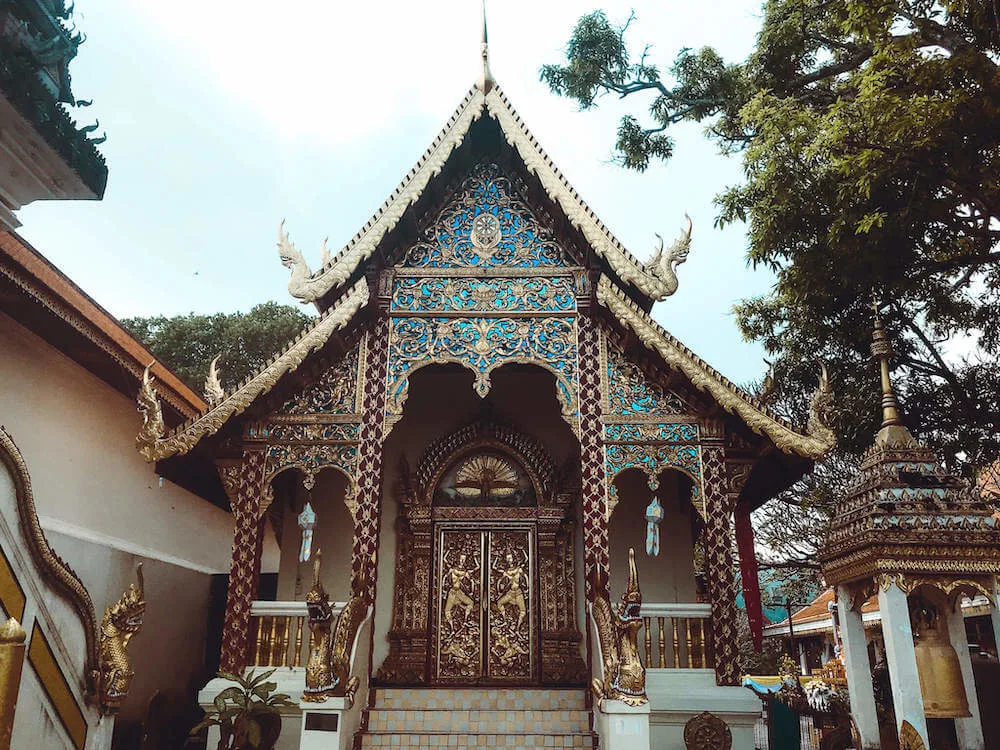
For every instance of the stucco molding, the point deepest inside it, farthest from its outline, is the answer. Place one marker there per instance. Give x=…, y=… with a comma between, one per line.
x=54, y=570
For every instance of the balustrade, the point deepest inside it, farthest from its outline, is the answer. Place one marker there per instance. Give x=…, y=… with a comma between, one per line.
x=677, y=636
x=279, y=633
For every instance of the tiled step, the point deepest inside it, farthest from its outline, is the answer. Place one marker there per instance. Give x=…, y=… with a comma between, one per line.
x=451, y=741
x=499, y=699
x=479, y=721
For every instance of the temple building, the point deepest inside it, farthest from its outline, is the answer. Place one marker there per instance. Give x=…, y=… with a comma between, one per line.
x=482, y=441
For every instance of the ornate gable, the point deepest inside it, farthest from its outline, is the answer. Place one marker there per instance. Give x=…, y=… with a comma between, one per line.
x=487, y=225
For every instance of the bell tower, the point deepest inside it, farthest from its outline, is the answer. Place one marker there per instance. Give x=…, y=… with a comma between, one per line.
x=921, y=539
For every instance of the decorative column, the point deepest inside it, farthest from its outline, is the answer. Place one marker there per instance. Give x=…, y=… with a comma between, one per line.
x=719, y=563
x=854, y=653
x=594, y=490
x=995, y=612
x=907, y=701
x=969, y=730
x=244, y=485
x=364, y=562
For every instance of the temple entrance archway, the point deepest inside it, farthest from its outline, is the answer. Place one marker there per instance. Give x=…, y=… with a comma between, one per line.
x=486, y=536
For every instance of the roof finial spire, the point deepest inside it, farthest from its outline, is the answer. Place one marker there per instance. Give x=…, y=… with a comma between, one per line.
x=485, y=82
x=893, y=432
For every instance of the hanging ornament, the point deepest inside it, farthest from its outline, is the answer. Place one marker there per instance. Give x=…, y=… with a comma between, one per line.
x=654, y=515
x=307, y=522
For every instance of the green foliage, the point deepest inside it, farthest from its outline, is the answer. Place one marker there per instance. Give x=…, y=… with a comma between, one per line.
x=245, y=341
x=246, y=713
x=869, y=138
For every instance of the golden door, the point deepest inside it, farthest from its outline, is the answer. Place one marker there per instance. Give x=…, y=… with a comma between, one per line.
x=484, y=605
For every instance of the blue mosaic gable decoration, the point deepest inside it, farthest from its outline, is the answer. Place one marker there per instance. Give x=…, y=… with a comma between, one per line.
x=652, y=459
x=630, y=394
x=541, y=294
x=486, y=224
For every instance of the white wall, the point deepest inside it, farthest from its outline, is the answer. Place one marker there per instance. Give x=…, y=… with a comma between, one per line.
x=78, y=440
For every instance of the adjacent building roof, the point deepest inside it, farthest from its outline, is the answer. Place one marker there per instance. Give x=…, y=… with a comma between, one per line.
x=43, y=299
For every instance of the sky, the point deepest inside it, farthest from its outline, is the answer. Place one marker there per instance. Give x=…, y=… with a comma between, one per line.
x=223, y=120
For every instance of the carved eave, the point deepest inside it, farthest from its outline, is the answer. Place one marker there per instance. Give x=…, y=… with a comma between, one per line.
x=210, y=421
x=347, y=264
x=727, y=394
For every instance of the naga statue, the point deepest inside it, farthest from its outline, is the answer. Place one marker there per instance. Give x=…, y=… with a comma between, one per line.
x=214, y=392
x=662, y=266
x=153, y=427
x=301, y=285
x=121, y=621
x=328, y=672
x=618, y=629
x=821, y=409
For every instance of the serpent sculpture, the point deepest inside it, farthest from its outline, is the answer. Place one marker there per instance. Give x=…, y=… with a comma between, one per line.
x=122, y=620
x=617, y=629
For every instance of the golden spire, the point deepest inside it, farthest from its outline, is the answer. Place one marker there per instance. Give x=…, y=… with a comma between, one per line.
x=893, y=433
x=486, y=81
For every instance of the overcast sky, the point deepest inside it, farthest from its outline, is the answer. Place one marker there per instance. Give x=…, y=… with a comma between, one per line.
x=224, y=118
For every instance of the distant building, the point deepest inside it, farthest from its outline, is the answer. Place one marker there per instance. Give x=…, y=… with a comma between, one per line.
x=44, y=153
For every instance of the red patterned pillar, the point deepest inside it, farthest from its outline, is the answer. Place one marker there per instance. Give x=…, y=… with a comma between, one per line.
x=244, y=483
x=719, y=563
x=596, y=558
x=364, y=562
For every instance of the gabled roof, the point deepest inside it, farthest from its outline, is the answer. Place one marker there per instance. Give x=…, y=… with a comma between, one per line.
x=646, y=278
x=349, y=265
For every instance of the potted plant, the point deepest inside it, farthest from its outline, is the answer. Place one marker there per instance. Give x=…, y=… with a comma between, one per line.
x=247, y=713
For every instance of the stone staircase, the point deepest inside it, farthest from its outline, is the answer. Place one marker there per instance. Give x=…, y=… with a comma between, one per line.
x=478, y=718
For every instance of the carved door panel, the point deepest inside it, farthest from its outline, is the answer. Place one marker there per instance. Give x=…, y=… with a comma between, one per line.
x=510, y=648
x=485, y=606
x=460, y=606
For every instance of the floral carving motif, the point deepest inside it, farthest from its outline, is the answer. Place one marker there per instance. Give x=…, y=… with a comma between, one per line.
x=646, y=432
x=335, y=392
x=707, y=732
x=486, y=224
x=482, y=345
x=463, y=294
x=631, y=393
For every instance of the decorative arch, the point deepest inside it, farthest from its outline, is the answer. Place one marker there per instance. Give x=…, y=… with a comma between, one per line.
x=310, y=460
x=482, y=435
x=483, y=345
x=53, y=568
x=653, y=459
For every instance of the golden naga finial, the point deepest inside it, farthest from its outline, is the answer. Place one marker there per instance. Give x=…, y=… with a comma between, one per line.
x=214, y=392
x=663, y=265
x=893, y=433
x=122, y=620
x=486, y=80
x=821, y=409
x=152, y=428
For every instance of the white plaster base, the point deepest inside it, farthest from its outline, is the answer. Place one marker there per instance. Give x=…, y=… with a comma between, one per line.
x=318, y=739
x=623, y=727
x=290, y=680
x=678, y=695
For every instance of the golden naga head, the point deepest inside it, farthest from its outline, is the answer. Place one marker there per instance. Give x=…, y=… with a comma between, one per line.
x=632, y=597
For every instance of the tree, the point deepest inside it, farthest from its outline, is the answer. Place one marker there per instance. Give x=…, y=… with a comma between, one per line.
x=868, y=131
x=244, y=341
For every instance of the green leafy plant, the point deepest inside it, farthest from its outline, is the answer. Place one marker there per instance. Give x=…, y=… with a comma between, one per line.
x=247, y=713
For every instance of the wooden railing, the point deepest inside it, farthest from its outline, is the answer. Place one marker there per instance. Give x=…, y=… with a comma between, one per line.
x=677, y=636
x=279, y=633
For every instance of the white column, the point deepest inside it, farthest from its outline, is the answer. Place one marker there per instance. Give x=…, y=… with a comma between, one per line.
x=969, y=730
x=854, y=651
x=803, y=659
x=898, y=634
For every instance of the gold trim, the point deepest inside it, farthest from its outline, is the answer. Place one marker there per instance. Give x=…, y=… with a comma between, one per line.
x=11, y=594
x=56, y=687
x=187, y=435
x=53, y=570
x=705, y=378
